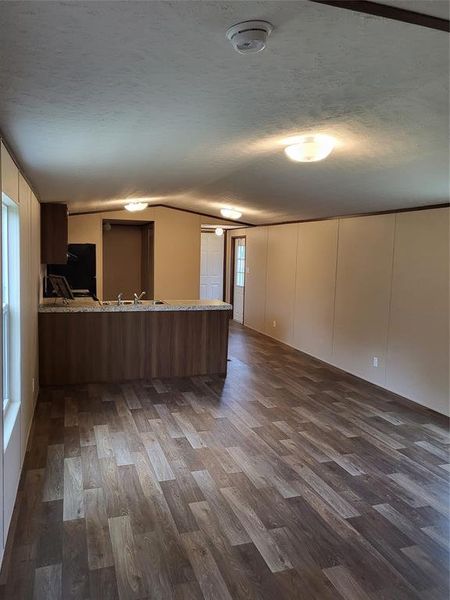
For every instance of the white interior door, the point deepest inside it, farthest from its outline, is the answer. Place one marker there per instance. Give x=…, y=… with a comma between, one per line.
x=239, y=279
x=211, y=267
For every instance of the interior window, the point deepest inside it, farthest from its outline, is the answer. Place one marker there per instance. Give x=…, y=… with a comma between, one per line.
x=10, y=304
x=240, y=265
x=5, y=306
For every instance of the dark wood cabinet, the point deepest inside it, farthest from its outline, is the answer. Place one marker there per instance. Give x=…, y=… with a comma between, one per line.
x=54, y=234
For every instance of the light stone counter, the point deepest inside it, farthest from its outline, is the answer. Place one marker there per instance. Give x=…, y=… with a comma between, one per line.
x=88, y=305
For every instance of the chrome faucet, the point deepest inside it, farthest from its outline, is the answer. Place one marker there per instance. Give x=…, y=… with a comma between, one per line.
x=119, y=299
x=138, y=299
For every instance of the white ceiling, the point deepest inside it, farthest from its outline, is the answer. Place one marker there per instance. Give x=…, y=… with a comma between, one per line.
x=105, y=100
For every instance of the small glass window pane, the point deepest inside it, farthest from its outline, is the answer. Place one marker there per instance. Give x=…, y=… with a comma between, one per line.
x=240, y=264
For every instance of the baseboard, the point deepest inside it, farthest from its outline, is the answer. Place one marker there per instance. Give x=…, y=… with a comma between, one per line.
x=30, y=425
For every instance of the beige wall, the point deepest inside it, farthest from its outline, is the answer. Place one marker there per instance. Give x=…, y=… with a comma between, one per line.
x=280, y=281
x=353, y=289
x=418, y=352
x=30, y=214
x=315, y=287
x=255, y=277
x=364, y=272
x=9, y=175
x=87, y=229
x=17, y=423
x=177, y=254
x=176, y=247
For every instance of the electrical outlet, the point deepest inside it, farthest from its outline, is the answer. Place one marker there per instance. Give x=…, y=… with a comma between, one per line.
x=375, y=361
x=274, y=323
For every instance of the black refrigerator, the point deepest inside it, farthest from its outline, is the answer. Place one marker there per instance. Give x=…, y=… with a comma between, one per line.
x=80, y=270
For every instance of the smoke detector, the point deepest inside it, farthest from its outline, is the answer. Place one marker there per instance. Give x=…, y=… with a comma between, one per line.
x=249, y=36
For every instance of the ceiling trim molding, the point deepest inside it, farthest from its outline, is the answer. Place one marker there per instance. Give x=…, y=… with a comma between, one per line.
x=240, y=224
x=367, y=214
x=186, y=210
x=389, y=12
x=209, y=216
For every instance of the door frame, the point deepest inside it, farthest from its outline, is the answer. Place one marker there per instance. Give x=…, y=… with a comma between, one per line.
x=147, y=230
x=232, y=265
x=224, y=284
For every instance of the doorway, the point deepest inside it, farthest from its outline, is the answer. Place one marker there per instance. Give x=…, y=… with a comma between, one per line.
x=127, y=259
x=238, y=249
x=211, y=266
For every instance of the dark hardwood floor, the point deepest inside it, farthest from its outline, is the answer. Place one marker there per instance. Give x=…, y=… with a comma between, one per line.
x=287, y=480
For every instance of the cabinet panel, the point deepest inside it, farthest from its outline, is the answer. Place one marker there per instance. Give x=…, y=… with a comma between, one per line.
x=78, y=348
x=54, y=234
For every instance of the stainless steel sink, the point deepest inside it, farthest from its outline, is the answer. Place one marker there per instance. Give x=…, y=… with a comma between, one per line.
x=130, y=302
x=115, y=303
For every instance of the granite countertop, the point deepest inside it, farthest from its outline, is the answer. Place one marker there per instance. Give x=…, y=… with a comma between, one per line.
x=89, y=305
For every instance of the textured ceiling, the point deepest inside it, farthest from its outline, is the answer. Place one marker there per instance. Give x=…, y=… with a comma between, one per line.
x=105, y=100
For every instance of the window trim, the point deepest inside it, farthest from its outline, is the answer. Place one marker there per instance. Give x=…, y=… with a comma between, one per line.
x=11, y=312
x=6, y=333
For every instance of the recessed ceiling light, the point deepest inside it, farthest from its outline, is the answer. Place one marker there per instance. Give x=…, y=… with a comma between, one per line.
x=218, y=231
x=310, y=148
x=230, y=213
x=136, y=206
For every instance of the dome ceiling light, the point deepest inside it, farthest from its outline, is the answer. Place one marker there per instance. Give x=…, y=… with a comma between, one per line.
x=230, y=213
x=136, y=206
x=310, y=148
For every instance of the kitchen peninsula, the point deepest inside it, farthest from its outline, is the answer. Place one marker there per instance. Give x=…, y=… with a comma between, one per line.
x=85, y=341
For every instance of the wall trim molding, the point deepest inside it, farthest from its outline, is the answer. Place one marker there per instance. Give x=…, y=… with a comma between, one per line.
x=186, y=210
x=389, y=12
x=242, y=225
x=209, y=216
x=393, y=211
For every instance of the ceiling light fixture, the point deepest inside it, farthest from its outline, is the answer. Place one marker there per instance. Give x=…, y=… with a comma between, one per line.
x=249, y=36
x=136, y=206
x=230, y=213
x=310, y=148
x=218, y=231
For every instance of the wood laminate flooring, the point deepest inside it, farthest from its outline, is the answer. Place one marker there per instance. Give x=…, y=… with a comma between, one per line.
x=289, y=479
